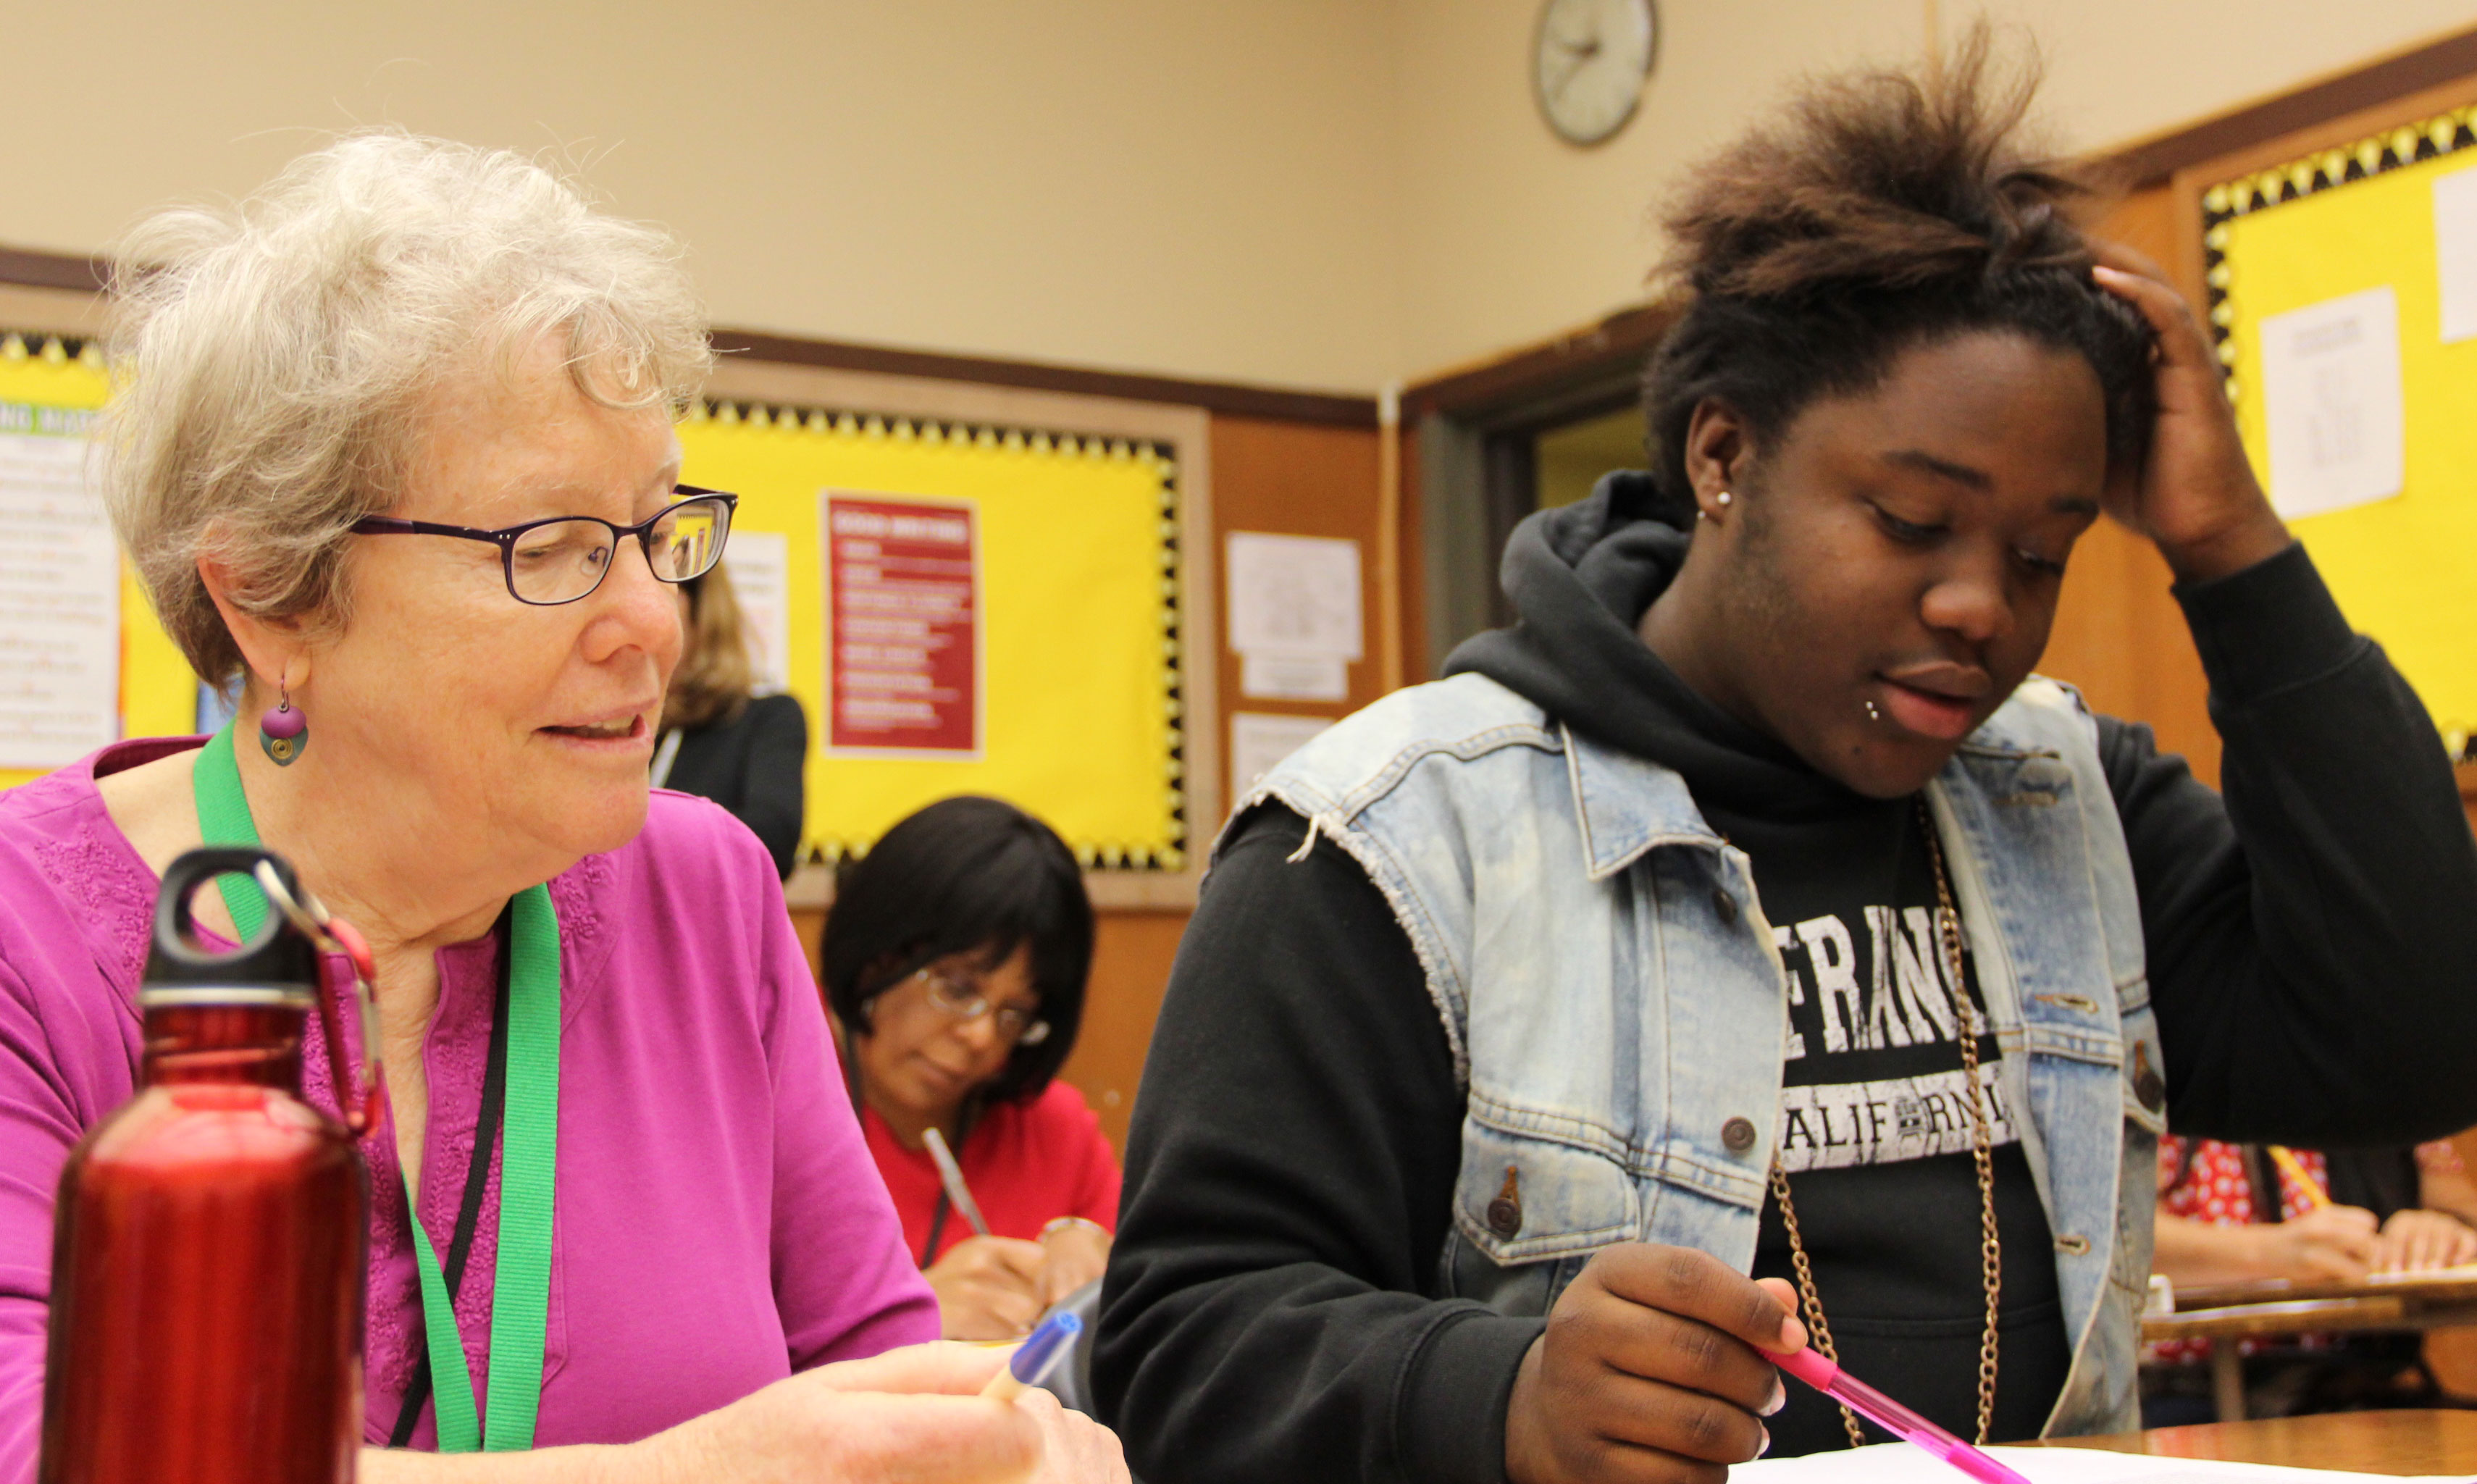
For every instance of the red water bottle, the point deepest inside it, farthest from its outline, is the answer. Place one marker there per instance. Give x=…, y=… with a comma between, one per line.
x=209, y=1245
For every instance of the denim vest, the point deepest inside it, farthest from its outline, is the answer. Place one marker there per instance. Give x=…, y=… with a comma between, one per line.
x=1617, y=1010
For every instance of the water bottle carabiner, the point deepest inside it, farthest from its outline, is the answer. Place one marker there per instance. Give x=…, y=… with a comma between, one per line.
x=367, y=1106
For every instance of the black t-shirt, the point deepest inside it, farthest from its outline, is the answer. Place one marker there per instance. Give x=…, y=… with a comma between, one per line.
x=1271, y=1309
x=1876, y=1133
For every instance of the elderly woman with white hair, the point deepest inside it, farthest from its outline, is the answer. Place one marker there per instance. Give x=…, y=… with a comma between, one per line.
x=386, y=437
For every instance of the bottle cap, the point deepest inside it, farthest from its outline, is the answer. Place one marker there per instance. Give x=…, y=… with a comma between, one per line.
x=277, y=965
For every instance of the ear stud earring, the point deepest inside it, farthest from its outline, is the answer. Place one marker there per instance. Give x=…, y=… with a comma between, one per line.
x=1722, y=499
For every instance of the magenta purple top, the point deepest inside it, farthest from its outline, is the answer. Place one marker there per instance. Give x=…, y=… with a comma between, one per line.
x=718, y=1222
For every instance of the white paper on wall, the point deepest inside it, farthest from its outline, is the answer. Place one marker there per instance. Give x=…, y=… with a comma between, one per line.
x=2455, y=250
x=1281, y=677
x=60, y=606
x=2331, y=400
x=1294, y=614
x=759, y=562
x=1260, y=740
x=1293, y=596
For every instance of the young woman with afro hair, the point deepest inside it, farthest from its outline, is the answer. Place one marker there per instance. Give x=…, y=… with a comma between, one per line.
x=1746, y=949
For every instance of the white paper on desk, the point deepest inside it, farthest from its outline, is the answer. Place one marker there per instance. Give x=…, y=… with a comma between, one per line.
x=1260, y=740
x=2331, y=397
x=1899, y=1463
x=1296, y=596
x=760, y=564
x=60, y=606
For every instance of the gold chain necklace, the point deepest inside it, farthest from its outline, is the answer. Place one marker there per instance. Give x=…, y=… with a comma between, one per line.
x=1982, y=1151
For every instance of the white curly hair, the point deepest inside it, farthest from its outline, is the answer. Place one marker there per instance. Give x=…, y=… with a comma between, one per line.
x=272, y=360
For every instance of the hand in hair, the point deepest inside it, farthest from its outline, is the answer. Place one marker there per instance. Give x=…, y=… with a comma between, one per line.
x=2195, y=494
x=1649, y=1372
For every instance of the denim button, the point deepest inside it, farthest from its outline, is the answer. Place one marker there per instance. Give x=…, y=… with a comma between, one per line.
x=1505, y=1212
x=1723, y=904
x=2147, y=1085
x=1738, y=1135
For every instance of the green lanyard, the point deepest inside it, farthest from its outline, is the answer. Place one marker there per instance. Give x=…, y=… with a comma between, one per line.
x=528, y=1160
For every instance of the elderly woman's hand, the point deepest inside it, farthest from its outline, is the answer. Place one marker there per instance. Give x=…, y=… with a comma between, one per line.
x=988, y=1287
x=911, y=1414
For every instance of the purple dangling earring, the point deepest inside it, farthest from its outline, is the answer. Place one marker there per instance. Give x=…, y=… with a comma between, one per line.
x=283, y=732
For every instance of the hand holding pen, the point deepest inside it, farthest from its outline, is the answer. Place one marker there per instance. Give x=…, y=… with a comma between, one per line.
x=1651, y=1371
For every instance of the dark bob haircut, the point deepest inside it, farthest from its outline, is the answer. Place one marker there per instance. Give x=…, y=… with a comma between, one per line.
x=1884, y=212
x=965, y=876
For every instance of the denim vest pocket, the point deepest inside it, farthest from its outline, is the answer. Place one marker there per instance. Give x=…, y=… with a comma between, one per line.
x=1523, y=1196
x=1520, y=1291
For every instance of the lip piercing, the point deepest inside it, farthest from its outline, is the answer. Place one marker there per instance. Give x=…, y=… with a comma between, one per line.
x=1872, y=715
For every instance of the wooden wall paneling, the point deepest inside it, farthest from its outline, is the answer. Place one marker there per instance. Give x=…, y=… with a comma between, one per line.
x=1292, y=479
x=1131, y=960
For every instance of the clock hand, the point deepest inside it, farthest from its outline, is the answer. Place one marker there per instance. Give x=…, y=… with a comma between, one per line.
x=1566, y=79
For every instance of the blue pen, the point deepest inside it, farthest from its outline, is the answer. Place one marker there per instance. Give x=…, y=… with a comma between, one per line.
x=1039, y=1355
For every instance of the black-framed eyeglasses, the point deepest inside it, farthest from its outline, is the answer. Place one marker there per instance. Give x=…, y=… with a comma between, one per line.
x=564, y=558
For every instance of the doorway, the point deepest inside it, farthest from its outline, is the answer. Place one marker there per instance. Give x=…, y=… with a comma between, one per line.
x=1494, y=444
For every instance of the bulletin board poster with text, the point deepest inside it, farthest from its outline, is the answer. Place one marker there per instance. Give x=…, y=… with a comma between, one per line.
x=903, y=666
x=971, y=608
x=2331, y=296
x=83, y=662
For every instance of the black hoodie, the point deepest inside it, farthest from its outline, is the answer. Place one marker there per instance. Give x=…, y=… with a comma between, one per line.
x=1297, y=1136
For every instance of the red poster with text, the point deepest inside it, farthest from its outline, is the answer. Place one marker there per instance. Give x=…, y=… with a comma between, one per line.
x=902, y=626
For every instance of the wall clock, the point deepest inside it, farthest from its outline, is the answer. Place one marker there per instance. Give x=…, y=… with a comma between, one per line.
x=1589, y=61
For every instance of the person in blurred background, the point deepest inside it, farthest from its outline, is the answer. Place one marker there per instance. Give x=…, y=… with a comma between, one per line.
x=954, y=959
x=392, y=447
x=2231, y=1213
x=720, y=739
x=2237, y=1213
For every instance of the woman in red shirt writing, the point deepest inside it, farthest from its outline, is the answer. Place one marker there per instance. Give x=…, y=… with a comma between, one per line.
x=955, y=962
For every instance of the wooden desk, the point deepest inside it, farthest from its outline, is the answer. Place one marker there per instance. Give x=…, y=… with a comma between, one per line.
x=2279, y=1308
x=2425, y=1442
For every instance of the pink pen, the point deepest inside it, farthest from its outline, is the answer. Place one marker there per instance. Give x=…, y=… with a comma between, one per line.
x=1827, y=1378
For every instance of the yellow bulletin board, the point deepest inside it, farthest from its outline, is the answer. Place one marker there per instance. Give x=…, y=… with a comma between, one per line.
x=1084, y=714
x=53, y=383
x=2342, y=221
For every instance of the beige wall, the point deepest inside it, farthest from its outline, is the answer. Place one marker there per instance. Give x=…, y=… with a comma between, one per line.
x=2123, y=69
x=1143, y=185
x=1302, y=192
x=1510, y=236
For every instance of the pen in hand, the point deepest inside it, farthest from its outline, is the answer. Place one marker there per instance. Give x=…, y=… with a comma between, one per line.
x=1827, y=1376
x=1033, y=1360
x=951, y=1175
